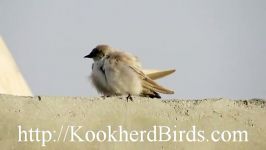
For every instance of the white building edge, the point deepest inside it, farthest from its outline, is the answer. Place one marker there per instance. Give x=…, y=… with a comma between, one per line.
x=11, y=79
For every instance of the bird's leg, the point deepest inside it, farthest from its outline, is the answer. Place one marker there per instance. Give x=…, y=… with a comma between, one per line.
x=129, y=97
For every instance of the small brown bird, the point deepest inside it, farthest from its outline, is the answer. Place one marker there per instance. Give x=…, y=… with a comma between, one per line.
x=119, y=73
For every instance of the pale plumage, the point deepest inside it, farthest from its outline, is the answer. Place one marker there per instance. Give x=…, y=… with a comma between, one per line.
x=122, y=79
x=157, y=74
x=120, y=73
x=97, y=76
x=98, y=79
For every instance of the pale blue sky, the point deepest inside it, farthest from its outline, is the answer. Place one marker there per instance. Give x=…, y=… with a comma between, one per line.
x=218, y=47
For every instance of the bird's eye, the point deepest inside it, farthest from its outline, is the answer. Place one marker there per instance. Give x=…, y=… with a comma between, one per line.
x=101, y=54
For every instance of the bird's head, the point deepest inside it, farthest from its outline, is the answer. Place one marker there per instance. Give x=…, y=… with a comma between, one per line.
x=99, y=52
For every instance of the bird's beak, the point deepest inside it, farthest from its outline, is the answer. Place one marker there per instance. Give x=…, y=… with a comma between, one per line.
x=88, y=56
x=92, y=54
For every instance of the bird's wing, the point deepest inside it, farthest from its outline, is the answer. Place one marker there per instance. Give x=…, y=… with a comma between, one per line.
x=157, y=74
x=149, y=83
x=133, y=63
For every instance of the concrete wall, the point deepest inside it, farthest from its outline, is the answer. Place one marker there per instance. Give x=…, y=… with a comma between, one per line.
x=50, y=113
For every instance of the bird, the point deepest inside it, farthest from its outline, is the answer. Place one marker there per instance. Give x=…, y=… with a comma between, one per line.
x=115, y=73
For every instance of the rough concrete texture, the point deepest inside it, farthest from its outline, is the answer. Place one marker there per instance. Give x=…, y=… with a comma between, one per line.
x=50, y=113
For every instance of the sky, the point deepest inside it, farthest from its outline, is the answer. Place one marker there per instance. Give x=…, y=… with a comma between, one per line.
x=218, y=48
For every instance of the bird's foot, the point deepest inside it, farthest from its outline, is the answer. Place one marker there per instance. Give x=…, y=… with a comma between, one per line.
x=129, y=97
